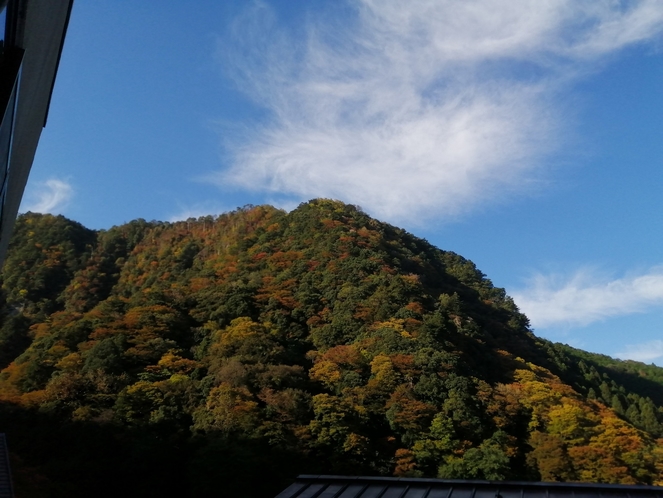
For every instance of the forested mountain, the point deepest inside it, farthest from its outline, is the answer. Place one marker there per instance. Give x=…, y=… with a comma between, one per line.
x=223, y=356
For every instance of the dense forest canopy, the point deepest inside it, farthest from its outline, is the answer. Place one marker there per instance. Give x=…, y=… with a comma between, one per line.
x=235, y=352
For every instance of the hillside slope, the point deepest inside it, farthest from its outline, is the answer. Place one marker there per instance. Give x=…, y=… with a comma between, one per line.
x=243, y=349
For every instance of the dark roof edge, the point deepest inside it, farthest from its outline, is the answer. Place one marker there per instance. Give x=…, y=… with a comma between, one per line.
x=57, y=62
x=452, y=482
x=13, y=25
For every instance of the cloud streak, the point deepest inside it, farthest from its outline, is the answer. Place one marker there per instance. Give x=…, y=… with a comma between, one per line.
x=51, y=196
x=423, y=109
x=645, y=352
x=585, y=298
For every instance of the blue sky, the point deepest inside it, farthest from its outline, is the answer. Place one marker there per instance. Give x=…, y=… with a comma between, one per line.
x=525, y=135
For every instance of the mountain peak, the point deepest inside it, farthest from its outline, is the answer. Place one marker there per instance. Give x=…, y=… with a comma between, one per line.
x=316, y=340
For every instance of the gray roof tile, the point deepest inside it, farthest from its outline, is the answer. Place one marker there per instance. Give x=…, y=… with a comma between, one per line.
x=314, y=486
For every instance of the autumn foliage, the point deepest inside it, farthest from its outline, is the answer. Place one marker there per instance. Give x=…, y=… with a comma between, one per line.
x=257, y=345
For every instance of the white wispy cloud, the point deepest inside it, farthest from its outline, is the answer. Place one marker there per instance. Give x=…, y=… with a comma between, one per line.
x=421, y=108
x=51, y=196
x=645, y=352
x=585, y=297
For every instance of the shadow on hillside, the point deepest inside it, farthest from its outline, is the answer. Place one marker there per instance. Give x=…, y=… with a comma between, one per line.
x=55, y=458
